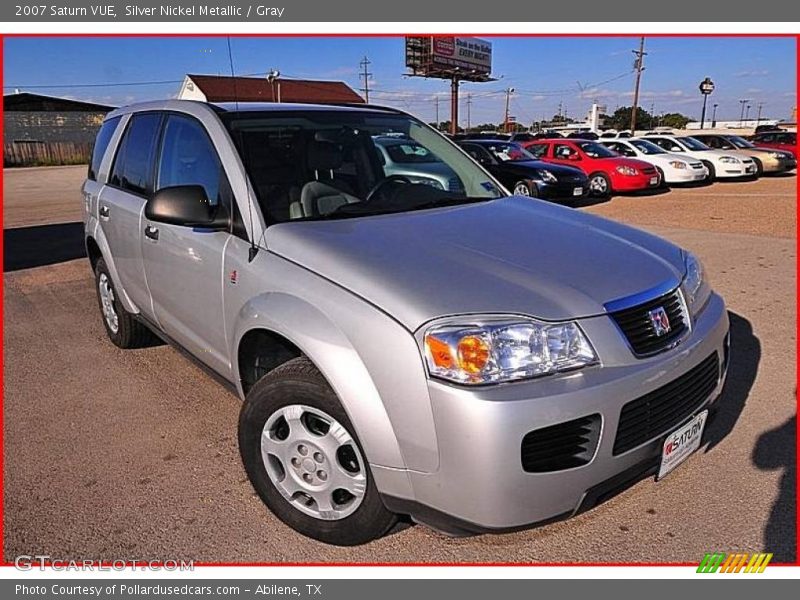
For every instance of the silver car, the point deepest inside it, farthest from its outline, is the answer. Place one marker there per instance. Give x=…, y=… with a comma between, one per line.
x=469, y=359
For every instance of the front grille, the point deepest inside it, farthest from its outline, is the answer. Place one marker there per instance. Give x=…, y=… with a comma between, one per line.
x=662, y=410
x=649, y=170
x=639, y=329
x=696, y=165
x=561, y=446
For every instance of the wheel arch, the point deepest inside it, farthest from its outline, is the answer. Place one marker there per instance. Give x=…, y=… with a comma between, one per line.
x=292, y=327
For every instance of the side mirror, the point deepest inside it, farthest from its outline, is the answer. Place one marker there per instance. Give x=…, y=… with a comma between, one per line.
x=186, y=205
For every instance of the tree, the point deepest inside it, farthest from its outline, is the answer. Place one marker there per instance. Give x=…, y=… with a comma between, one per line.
x=673, y=120
x=621, y=119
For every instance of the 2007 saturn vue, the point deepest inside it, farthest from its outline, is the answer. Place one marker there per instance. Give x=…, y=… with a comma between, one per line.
x=471, y=359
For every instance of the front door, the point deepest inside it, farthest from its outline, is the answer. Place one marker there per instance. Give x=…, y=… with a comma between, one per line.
x=184, y=265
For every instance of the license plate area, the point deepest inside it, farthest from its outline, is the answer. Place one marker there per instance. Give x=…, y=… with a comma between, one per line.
x=681, y=443
x=578, y=191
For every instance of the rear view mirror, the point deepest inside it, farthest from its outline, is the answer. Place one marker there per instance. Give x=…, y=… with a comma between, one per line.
x=186, y=205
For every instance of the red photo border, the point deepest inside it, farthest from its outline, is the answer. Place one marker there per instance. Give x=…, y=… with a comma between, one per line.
x=796, y=37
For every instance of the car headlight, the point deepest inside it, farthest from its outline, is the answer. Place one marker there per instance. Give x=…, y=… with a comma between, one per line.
x=548, y=177
x=626, y=170
x=494, y=351
x=729, y=160
x=677, y=164
x=434, y=183
x=696, y=289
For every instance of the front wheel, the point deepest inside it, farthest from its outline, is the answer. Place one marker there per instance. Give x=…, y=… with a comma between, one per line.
x=599, y=185
x=303, y=458
x=759, y=167
x=524, y=188
x=712, y=172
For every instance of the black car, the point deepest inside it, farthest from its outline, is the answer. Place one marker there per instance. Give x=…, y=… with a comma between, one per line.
x=521, y=172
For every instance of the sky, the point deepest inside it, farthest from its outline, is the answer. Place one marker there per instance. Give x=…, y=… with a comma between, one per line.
x=543, y=72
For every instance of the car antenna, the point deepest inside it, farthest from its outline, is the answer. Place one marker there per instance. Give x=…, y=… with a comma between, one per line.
x=253, y=247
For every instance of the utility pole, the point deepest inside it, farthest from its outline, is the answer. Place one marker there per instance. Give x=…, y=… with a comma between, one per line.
x=365, y=75
x=639, y=66
x=741, y=114
x=469, y=111
x=436, y=102
x=509, y=91
x=454, y=105
x=758, y=118
x=747, y=112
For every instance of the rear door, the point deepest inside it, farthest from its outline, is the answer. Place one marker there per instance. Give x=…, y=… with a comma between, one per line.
x=184, y=265
x=121, y=204
x=565, y=154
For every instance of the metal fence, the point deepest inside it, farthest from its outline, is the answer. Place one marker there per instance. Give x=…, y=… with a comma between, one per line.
x=41, y=154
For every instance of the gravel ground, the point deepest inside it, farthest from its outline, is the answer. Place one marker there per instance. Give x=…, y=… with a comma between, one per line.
x=132, y=454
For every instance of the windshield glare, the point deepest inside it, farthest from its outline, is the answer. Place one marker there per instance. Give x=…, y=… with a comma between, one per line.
x=508, y=152
x=693, y=144
x=646, y=147
x=739, y=142
x=327, y=164
x=595, y=150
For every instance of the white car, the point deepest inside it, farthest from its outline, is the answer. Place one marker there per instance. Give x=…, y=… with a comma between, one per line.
x=721, y=164
x=674, y=168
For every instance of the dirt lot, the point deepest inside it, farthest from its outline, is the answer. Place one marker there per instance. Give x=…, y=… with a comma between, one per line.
x=112, y=454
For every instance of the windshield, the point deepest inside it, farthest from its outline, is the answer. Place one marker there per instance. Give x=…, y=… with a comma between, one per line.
x=508, y=151
x=693, y=144
x=408, y=152
x=326, y=164
x=595, y=150
x=739, y=142
x=646, y=147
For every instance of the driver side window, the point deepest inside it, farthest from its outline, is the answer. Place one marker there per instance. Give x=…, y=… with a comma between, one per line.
x=189, y=158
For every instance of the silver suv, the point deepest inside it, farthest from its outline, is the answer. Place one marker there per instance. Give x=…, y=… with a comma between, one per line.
x=466, y=358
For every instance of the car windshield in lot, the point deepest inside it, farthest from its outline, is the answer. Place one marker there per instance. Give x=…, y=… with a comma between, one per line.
x=324, y=164
x=692, y=143
x=595, y=150
x=646, y=147
x=408, y=152
x=739, y=142
x=508, y=152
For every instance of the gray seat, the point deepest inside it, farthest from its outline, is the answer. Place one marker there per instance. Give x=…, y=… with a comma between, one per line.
x=325, y=193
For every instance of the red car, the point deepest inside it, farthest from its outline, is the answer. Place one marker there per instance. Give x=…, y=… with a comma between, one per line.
x=607, y=171
x=778, y=140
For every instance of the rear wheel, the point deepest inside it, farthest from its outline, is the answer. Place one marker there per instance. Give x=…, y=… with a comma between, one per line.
x=599, y=185
x=712, y=172
x=303, y=458
x=524, y=188
x=121, y=326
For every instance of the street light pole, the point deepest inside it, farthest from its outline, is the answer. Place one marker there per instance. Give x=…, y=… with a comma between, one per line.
x=714, y=115
x=509, y=91
x=741, y=114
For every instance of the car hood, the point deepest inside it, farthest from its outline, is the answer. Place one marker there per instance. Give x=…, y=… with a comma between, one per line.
x=512, y=255
x=560, y=171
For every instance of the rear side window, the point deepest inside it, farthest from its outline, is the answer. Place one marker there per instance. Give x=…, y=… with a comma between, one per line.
x=101, y=145
x=133, y=166
x=539, y=150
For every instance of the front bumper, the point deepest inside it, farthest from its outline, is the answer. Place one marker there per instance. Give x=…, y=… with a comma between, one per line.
x=734, y=170
x=685, y=175
x=562, y=190
x=779, y=165
x=481, y=484
x=635, y=183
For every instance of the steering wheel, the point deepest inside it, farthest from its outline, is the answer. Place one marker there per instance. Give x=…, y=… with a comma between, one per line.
x=384, y=182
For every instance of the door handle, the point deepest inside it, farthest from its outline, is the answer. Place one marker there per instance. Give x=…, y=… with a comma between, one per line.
x=151, y=232
x=104, y=211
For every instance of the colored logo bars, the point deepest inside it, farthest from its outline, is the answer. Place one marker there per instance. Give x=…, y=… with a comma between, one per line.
x=734, y=563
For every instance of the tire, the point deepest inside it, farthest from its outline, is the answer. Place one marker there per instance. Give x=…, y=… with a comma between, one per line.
x=759, y=168
x=599, y=185
x=524, y=188
x=712, y=172
x=122, y=328
x=662, y=181
x=297, y=389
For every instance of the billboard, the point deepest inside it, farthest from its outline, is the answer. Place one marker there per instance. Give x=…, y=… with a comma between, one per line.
x=445, y=56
